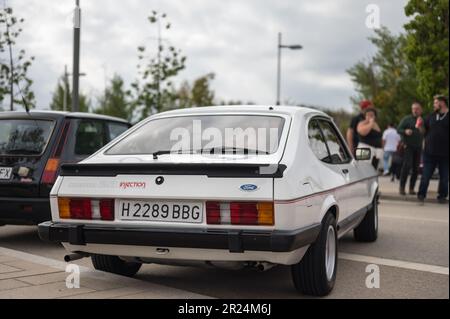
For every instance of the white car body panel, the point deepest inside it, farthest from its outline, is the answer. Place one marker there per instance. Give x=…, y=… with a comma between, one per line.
x=308, y=189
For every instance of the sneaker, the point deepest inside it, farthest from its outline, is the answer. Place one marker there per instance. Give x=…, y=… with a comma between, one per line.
x=402, y=192
x=412, y=192
x=442, y=201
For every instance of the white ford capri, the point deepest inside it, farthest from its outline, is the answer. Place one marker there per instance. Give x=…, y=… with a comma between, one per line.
x=235, y=187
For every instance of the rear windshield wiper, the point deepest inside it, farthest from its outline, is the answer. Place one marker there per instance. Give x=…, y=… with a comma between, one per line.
x=180, y=152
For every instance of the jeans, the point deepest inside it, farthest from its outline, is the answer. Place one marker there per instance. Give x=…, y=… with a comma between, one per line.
x=386, y=159
x=429, y=165
x=411, y=162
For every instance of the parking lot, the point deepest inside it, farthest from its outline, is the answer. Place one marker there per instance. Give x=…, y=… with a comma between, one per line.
x=412, y=254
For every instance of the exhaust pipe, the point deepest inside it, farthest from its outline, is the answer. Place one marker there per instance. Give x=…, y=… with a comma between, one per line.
x=73, y=257
x=263, y=266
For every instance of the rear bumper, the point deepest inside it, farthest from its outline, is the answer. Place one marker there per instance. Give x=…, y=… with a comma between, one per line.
x=24, y=211
x=237, y=241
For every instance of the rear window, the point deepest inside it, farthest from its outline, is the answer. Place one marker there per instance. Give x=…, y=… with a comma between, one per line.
x=210, y=134
x=90, y=137
x=24, y=137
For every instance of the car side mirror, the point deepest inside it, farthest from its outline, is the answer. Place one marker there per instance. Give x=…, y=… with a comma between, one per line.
x=363, y=154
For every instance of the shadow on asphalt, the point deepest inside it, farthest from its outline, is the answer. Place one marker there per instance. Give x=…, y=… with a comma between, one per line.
x=220, y=283
x=22, y=236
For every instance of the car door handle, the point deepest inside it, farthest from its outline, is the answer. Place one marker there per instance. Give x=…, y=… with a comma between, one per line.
x=345, y=171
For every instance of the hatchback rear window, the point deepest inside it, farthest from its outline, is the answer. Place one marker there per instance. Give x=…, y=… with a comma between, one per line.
x=24, y=137
x=210, y=134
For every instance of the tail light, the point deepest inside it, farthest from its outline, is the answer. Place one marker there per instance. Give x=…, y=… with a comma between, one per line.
x=240, y=213
x=80, y=209
x=52, y=166
x=107, y=209
x=86, y=209
x=213, y=213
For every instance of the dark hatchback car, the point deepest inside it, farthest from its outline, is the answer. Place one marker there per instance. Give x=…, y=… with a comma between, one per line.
x=32, y=148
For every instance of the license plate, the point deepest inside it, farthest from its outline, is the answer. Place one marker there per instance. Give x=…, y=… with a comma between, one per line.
x=161, y=211
x=5, y=172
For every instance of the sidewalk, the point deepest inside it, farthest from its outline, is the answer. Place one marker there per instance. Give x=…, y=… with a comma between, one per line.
x=390, y=190
x=26, y=276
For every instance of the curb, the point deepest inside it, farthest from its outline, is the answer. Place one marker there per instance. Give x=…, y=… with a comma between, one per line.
x=409, y=198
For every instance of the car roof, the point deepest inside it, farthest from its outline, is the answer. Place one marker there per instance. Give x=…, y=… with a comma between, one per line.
x=60, y=114
x=269, y=109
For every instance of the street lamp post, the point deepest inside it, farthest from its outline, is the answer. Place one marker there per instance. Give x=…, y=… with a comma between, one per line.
x=66, y=87
x=281, y=46
x=66, y=84
x=76, y=57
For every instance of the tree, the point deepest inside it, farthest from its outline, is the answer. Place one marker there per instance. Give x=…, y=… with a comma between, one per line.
x=427, y=45
x=202, y=95
x=153, y=91
x=63, y=95
x=13, y=67
x=388, y=78
x=196, y=95
x=114, y=101
x=340, y=116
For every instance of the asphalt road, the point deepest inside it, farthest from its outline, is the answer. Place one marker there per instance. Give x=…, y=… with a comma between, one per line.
x=417, y=236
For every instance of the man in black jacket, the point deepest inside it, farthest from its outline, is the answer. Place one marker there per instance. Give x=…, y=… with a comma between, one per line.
x=436, y=153
x=411, y=130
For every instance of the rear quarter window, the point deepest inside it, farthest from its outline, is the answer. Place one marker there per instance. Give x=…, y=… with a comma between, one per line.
x=90, y=137
x=335, y=145
x=317, y=142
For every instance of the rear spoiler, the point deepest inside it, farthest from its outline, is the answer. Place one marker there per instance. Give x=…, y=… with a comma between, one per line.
x=208, y=169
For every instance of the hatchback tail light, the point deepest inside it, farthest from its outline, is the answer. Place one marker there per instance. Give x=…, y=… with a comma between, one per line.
x=52, y=166
x=86, y=208
x=240, y=213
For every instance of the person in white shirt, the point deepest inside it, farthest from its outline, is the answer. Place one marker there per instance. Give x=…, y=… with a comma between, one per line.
x=390, y=143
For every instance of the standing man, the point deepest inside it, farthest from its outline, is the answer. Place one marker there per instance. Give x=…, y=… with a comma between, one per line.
x=390, y=143
x=411, y=130
x=436, y=149
x=352, y=134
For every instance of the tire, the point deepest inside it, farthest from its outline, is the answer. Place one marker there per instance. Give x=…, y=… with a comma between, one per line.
x=315, y=274
x=367, y=231
x=115, y=265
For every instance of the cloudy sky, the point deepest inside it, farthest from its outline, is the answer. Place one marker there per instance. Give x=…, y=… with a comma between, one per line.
x=235, y=39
